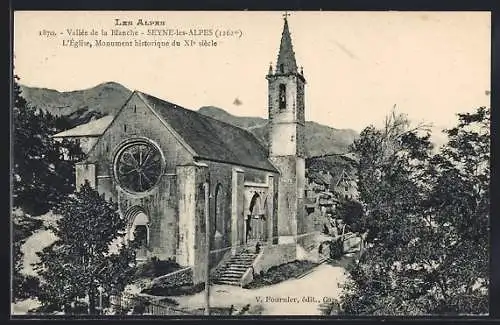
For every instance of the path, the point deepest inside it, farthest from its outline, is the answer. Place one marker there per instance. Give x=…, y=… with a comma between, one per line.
x=291, y=297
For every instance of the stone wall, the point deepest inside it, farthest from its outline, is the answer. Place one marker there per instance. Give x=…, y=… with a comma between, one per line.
x=201, y=198
x=175, y=279
x=237, y=207
x=86, y=143
x=137, y=121
x=84, y=172
x=230, y=181
x=273, y=255
x=287, y=195
x=286, y=129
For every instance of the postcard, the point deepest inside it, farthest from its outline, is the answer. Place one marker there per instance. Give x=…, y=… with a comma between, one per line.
x=227, y=163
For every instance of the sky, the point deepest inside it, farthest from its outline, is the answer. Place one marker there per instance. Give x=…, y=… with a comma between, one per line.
x=358, y=65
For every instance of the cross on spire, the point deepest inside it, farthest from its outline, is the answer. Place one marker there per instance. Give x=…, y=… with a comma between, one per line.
x=286, y=57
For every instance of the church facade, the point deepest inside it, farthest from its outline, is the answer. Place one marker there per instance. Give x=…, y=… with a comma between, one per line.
x=173, y=170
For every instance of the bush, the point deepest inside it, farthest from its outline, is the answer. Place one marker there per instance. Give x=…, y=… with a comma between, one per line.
x=155, y=268
x=79, y=308
x=281, y=273
x=170, y=289
x=140, y=306
x=336, y=248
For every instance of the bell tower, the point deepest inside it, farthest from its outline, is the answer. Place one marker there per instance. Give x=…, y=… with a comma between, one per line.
x=286, y=137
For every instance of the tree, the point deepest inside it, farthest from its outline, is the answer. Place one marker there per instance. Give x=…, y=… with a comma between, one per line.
x=42, y=175
x=458, y=209
x=423, y=223
x=80, y=261
x=352, y=213
x=23, y=226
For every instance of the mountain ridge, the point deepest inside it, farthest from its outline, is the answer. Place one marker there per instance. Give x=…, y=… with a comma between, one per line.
x=85, y=105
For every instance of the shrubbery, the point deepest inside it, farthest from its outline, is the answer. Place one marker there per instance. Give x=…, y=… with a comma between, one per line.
x=155, y=268
x=281, y=273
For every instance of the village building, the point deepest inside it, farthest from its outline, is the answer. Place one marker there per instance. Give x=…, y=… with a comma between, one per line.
x=86, y=135
x=170, y=169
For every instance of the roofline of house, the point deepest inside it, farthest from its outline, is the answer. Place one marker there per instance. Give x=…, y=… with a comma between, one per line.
x=76, y=136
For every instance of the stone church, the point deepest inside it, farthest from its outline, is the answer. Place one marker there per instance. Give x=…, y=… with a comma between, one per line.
x=170, y=169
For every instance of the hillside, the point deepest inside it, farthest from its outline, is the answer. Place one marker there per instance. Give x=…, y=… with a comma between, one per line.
x=82, y=106
x=320, y=139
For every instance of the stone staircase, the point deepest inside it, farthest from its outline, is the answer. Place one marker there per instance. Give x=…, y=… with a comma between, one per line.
x=234, y=269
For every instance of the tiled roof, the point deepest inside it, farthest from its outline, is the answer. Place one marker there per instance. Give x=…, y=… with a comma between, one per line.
x=90, y=129
x=212, y=139
x=319, y=177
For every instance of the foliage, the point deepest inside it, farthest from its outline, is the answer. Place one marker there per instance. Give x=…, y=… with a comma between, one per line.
x=155, y=268
x=175, y=289
x=336, y=248
x=43, y=169
x=425, y=217
x=80, y=260
x=352, y=213
x=23, y=226
x=282, y=272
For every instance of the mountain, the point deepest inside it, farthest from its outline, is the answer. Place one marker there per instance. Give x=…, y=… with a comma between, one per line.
x=82, y=106
x=320, y=139
x=243, y=122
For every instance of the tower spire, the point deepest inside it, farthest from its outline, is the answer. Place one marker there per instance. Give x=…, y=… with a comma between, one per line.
x=286, y=57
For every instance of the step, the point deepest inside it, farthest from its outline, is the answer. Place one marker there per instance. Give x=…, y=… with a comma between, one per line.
x=233, y=283
x=240, y=262
x=240, y=272
x=231, y=276
x=226, y=278
x=243, y=257
x=235, y=265
x=238, y=267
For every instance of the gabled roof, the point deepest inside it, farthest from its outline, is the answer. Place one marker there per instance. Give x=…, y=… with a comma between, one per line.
x=91, y=129
x=343, y=175
x=212, y=139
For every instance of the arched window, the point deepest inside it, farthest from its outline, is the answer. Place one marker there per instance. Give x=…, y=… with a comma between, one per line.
x=255, y=208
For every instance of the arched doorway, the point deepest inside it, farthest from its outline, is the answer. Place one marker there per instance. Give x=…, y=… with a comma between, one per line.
x=138, y=231
x=255, y=221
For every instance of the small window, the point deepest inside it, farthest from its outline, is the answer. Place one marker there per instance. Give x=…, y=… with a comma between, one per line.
x=282, y=68
x=282, y=97
x=135, y=108
x=124, y=127
x=292, y=138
